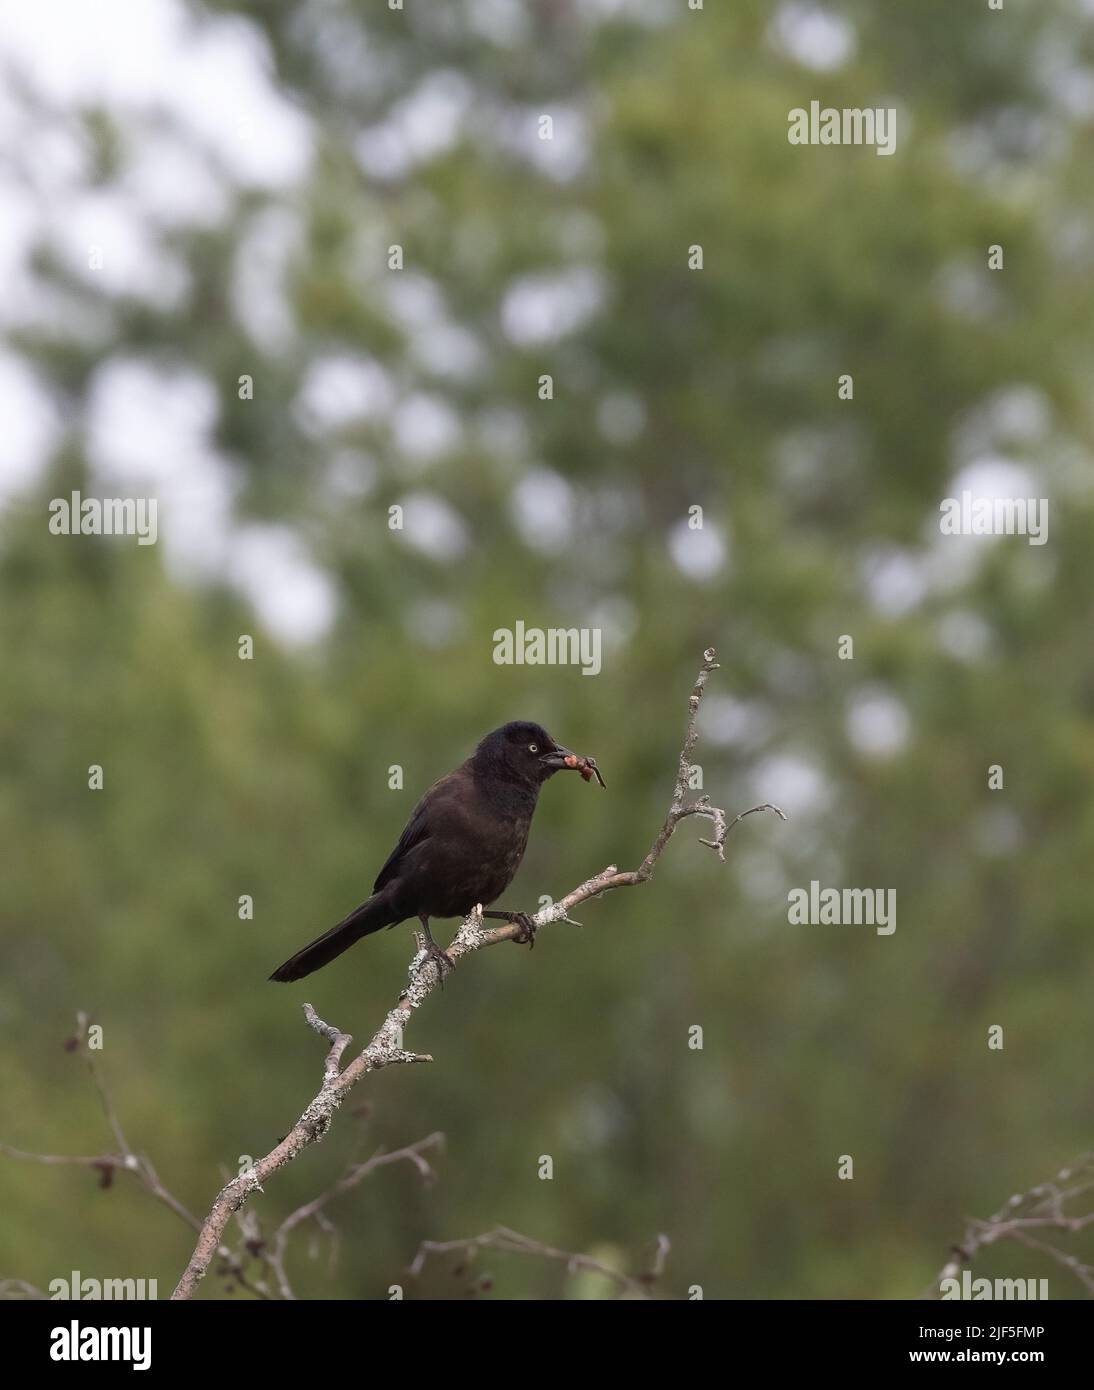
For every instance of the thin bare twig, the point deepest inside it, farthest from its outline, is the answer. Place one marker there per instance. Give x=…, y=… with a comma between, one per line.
x=19, y=1289
x=126, y=1160
x=356, y=1173
x=1042, y=1208
x=511, y=1242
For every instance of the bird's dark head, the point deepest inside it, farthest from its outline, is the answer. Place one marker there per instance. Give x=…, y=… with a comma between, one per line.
x=526, y=752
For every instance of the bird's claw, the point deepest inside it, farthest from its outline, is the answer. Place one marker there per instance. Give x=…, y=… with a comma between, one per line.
x=526, y=929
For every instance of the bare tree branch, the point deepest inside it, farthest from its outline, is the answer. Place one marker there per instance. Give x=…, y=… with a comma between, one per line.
x=127, y=1160
x=338, y=1042
x=513, y=1243
x=357, y=1172
x=237, y=1265
x=234, y=1265
x=253, y=1248
x=1042, y=1208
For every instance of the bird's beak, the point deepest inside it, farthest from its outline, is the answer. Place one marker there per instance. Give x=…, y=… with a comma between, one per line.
x=562, y=758
x=559, y=757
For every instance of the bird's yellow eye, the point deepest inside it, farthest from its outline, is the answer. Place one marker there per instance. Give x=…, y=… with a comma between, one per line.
x=533, y=748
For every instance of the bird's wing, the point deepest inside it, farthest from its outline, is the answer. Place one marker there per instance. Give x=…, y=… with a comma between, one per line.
x=415, y=831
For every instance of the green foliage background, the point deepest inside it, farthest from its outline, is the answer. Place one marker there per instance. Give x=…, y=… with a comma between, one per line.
x=270, y=777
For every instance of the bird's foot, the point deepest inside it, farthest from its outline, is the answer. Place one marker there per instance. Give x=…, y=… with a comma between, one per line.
x=442, y=961
x=526, y=929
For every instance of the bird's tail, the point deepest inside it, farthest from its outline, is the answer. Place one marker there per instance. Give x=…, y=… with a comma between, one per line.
x=363, y=921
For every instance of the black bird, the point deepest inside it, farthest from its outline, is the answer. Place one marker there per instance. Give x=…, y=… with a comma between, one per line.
x=462, y=845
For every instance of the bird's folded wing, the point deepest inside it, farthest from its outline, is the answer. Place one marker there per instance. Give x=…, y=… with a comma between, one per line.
x=415, y=831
